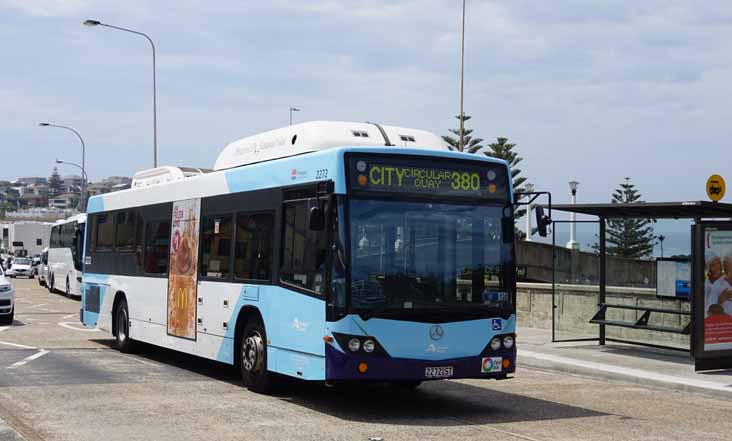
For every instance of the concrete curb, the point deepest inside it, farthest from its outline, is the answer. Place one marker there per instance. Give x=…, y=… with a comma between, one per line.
x=8, y=433
x=555, y=363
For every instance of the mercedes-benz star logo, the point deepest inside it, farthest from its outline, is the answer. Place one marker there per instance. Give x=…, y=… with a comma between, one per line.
x=436, y=332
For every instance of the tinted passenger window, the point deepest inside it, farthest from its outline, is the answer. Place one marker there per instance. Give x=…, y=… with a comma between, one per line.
x=54, y=237
x=104, y=237
x=157, y=239
x=216, y=246
x=304, y=251
x=125, y=234
x=253, y=252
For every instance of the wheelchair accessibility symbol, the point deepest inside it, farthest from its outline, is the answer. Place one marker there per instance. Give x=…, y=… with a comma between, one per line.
x=496, y=325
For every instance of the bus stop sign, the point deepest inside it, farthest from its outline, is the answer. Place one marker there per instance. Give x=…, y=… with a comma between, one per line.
x=715, y=188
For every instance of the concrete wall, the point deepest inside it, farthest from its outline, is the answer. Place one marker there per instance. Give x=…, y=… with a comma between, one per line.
x=577, y=304
x=582, y=268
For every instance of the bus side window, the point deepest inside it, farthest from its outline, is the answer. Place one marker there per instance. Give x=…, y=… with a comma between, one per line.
x=157, y=239
x=124, y=239
x=253, y=250
x=304, y=251
x=104, y=232
x=215, y=245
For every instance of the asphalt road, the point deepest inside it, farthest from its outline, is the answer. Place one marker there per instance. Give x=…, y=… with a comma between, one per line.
x=61, y=382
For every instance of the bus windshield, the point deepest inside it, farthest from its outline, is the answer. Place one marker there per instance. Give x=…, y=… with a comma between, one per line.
x=426, y=255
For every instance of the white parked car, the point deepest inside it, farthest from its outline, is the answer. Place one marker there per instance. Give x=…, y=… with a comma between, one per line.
x=22, y=266
x=7, y=300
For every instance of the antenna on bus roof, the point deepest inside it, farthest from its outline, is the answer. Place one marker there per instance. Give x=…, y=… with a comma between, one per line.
x=383, y=133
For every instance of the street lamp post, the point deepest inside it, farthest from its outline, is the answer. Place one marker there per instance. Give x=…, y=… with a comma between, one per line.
x=529, y=188
x=155, y=103
x=293, y=109
x=572, y=244
x=462, y=81
x=83, y=179
x=83, y=159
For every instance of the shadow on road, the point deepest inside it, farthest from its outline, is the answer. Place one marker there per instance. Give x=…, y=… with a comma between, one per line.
x=178, y=360
x=439, y=403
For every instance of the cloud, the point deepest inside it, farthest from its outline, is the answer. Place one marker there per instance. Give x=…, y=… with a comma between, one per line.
x=48, y=8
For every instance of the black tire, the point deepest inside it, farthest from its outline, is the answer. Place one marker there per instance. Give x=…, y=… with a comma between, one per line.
x=68, y=287
x=253, y=358
x=52, y=284
x=405, y=385
x=122, y=328
x=8, y=319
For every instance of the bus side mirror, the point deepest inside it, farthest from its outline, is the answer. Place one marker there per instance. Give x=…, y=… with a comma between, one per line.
x=542, y=221
x=316, y=219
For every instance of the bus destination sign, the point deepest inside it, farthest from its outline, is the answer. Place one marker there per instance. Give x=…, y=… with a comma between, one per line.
x=433, y=176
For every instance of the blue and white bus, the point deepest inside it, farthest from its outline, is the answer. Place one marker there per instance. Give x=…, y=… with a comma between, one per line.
x=326, y=251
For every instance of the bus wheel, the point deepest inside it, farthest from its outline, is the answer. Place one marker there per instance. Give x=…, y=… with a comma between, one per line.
x=68, y=287
x=122, y=328
x=253, y=356
x=51, y=283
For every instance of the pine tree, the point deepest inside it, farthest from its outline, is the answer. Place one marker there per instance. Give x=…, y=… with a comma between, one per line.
x=54, y=183
x=470, y=144
x=502, y=149
x=630, y=238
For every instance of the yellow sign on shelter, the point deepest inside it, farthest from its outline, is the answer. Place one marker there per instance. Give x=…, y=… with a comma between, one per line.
x=716, y=188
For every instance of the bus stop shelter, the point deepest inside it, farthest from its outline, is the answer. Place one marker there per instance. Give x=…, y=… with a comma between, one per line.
x=697, y=211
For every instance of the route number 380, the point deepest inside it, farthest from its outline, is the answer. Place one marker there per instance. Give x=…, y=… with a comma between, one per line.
x=465, y=181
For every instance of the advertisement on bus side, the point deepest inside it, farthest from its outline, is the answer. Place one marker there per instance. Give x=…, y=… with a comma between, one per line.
x=183, y=269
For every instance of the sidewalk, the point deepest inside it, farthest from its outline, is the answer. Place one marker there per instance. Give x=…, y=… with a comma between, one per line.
x=658, y=367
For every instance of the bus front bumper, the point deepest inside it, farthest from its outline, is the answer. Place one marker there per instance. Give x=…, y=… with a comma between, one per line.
x=341, y=366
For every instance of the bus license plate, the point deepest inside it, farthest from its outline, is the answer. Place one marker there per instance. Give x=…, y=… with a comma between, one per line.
x=438, y=372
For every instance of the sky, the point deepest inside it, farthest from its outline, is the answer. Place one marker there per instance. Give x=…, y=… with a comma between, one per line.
x=593, y=91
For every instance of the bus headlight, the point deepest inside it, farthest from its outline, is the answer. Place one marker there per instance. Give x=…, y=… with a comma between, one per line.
x=496, y=343
x=5, y=288
x=369, y=346
x=508, y=342
x=354, y=344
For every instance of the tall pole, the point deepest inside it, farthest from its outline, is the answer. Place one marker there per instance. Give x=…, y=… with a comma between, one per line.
x=155, y=100
x=529, y=188
x=462, y=83
x=572, y=244
x=83, y=159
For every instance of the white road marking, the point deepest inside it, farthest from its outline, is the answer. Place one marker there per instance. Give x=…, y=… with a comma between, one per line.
x=17, y=345
x=2, y=328
x=28, y=359
x=67, y=316
x=75, y=327
x=36, y=306
x=637, y=373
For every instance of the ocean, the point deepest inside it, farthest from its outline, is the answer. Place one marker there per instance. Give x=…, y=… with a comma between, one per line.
x=675, y=242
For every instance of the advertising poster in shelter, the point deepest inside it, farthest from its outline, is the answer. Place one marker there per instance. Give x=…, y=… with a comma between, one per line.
x=183, y=269
x=717, y=290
